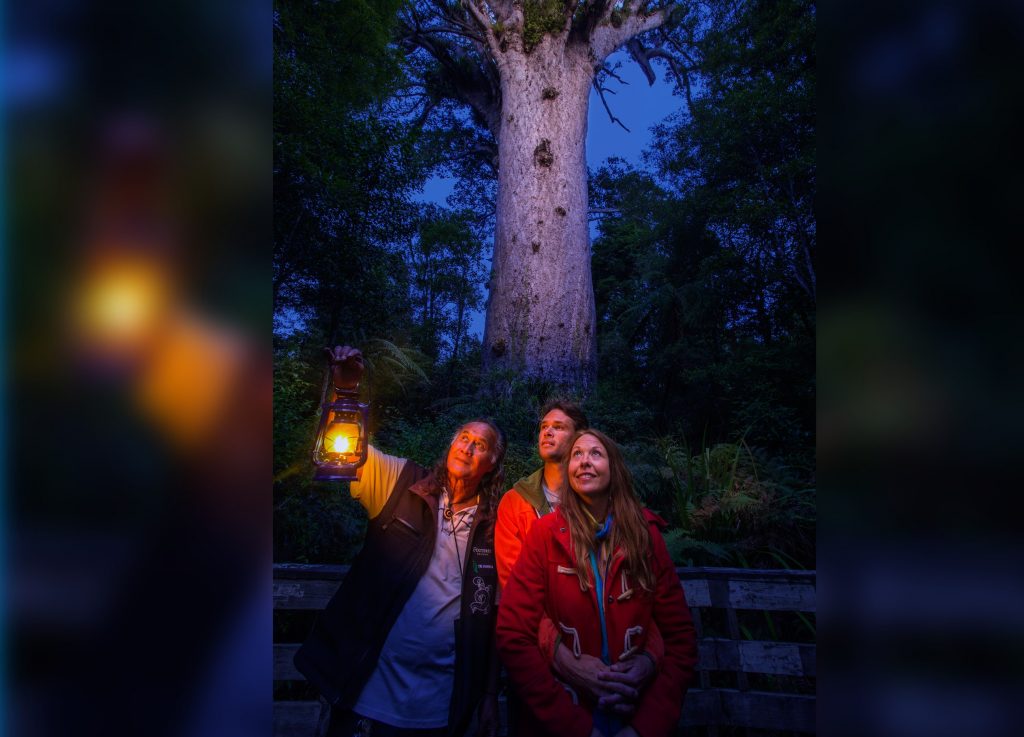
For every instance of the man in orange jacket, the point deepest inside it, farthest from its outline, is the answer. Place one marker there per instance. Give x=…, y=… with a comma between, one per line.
x=535, y=495
x=617, y=686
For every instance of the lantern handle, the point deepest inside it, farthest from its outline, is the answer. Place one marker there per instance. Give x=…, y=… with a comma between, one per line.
x=346, y=368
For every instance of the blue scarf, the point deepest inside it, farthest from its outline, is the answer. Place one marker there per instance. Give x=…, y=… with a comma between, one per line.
x=605, y=722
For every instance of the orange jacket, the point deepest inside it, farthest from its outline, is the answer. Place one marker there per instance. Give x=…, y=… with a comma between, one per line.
x=520, y=507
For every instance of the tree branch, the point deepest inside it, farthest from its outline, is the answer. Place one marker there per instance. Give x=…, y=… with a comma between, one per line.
x=598, y=213
x=671, y=41
x=488, y=152
x=600, y=93
x=428, y=108
x=604, y=9
x=607, y=37
x=682, y=74
x=500, y=9
x=464, y=31
x=641, y=57
x=471, y=77
x=569, y=10
x=613, y=74
x=485, y=24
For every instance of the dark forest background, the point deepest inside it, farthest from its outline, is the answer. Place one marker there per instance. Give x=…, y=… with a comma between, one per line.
x=703, y=267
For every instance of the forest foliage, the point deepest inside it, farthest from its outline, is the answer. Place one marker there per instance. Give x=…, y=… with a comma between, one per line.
x=703, y=267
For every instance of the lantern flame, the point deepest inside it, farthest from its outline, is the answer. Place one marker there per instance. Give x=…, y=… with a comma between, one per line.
x=341, y=444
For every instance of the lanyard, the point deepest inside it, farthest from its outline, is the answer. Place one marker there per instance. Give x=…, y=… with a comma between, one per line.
x=458, y=520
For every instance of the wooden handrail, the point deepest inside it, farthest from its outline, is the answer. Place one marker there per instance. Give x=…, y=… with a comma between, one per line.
x=308, y=587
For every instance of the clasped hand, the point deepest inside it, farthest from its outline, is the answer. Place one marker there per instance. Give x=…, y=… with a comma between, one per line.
x=616, y=687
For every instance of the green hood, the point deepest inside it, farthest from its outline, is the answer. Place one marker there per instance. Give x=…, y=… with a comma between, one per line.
x=529, y=488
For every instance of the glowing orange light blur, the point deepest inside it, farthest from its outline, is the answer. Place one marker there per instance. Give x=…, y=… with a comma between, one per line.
x=341, y=444
x=186, y=385
x=119, y=304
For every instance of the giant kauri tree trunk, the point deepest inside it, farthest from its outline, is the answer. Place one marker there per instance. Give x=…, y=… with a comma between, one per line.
x=526, y=67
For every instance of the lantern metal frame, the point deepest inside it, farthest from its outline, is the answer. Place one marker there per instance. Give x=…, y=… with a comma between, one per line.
x=345, y=404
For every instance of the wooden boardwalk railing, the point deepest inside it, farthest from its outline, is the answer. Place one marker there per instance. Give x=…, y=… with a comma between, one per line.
x=716, y=597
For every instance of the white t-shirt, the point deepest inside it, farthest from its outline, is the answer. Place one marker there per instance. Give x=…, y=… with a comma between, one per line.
x=553, y=499
x=377, y=479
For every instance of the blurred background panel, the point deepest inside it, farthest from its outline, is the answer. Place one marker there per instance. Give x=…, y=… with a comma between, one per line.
x=138, y=374
x=920, y=358
x=137, y=310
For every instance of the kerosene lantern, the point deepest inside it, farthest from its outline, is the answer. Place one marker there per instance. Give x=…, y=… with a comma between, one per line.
x=341, y=438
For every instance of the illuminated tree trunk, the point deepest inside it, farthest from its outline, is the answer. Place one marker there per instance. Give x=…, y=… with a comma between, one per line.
x=540, y=315
x=543, y=54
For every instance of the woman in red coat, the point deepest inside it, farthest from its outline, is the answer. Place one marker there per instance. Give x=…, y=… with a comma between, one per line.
x=599, y=568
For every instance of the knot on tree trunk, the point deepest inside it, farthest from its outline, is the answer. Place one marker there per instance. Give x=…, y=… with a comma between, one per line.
x=549, y=93
x=542, y=155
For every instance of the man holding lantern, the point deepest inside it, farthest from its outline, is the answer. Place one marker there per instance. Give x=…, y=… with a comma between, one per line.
x=406, y=645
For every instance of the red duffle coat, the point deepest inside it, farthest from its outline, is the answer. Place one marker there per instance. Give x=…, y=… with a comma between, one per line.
x=544, y=580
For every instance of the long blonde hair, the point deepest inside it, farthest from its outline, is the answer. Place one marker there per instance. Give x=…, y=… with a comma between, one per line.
x=629, y=536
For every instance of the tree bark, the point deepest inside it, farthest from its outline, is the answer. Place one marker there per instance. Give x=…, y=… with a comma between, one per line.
x=542, y=55
x=540, y=313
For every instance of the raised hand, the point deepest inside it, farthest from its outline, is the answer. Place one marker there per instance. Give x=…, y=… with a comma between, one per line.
x=346, y=367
